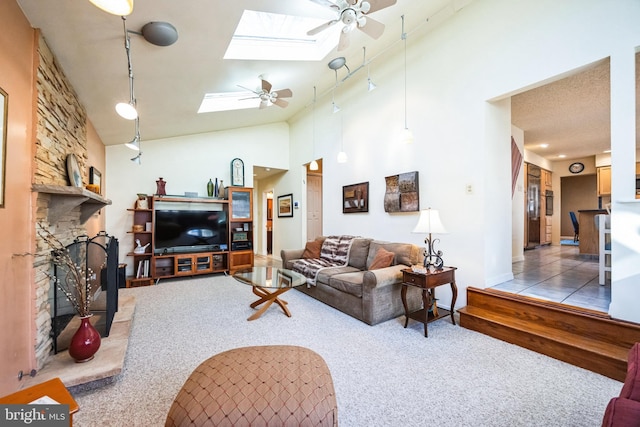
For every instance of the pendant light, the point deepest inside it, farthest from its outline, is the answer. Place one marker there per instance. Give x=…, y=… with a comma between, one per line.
x=314, y=164
x=134, y=144
x=114, y=7
x=406, y=136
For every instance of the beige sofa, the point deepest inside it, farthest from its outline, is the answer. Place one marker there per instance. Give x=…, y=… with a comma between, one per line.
x=372, y=296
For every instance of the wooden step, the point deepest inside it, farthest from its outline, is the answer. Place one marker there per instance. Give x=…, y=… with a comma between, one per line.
x=582, y=337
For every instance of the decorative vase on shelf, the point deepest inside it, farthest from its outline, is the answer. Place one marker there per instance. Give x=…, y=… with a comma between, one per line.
x=210, y=188
x=221, y=190
x=161, y=183
x=85, y=342
x=215, y=189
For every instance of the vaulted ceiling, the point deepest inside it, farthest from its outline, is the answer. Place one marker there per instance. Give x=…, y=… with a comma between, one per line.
x=571, y=114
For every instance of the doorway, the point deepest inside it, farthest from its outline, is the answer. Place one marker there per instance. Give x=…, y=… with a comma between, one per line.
x=314, y=202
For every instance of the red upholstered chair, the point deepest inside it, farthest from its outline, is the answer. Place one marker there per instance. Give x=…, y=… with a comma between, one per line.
x=275, y=385
x=624, y=410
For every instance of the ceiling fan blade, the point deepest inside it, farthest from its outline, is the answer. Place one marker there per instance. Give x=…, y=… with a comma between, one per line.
x=380, y=4
x=280, y=103
x=326, y=3
x=321, y=28
x=344, y=41
x=373, y=28
x=266, y=86
x=284, y=93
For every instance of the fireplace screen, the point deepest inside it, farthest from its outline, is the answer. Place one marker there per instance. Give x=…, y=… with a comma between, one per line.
x=99, y=257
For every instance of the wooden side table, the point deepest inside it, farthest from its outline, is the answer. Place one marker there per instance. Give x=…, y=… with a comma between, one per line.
x=428, y=283
x=53, y=388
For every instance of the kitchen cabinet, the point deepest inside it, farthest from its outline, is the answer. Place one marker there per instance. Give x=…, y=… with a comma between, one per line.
x=604, y=181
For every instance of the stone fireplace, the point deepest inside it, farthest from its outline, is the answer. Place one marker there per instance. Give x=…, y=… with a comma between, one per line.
x=62, y=209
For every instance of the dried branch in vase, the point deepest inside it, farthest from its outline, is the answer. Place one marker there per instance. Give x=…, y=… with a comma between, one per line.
x=76, y=282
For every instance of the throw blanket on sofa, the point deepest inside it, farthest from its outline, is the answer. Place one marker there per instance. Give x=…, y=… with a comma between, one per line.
x=333, y=253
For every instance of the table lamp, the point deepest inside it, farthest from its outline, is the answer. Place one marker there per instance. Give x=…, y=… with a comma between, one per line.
x=428, y=223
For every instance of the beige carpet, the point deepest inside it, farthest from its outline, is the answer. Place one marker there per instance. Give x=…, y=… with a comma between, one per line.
x=383, y=375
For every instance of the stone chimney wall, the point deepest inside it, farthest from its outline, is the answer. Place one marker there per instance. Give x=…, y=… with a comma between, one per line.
x=61, y=130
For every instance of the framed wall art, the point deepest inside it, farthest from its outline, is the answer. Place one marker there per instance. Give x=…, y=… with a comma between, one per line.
x=285, y=206
x=4, y=105
x=95, y=178
x=355, y=198
x=402, y=193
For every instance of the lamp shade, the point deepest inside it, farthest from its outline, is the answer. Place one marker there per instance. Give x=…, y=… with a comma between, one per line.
x=429, y=222
x=134, y=144
x=115, y=7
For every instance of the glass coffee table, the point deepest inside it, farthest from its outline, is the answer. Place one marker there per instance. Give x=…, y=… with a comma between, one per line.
x=269, y=283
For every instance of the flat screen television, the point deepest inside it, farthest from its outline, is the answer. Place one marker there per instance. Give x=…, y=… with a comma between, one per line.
x=190, y=230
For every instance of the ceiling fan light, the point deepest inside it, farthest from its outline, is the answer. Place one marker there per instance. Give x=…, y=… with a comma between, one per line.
x=342, y=157
x=126, y=110
x=365, y=7
x=313, y=166
x=114, y=7
x=362, y=21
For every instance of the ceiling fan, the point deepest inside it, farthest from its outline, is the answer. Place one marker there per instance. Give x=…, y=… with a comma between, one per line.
x=267, y=97
x=352, y=14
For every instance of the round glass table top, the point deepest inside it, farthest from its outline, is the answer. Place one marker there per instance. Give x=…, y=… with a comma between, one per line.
x=269, y=277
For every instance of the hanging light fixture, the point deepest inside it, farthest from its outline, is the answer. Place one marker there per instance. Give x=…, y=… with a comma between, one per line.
x=114, y=7
x=314, y=164
x=137, y=159
x=370, y=85
x=127, y=110
x=134, y=144
x=406, y=136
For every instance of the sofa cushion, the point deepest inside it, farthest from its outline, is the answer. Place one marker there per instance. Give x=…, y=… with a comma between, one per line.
x=383, y=259
x=326, y=273
x=358, y=253
x=350, y=283
x=405, y=253
x=631, y=387
x=312, y=249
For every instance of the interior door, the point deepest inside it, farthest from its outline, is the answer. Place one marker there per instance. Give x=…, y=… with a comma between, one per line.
x=314, y=206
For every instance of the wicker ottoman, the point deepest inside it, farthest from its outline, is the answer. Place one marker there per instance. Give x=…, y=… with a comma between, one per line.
x=257, y=386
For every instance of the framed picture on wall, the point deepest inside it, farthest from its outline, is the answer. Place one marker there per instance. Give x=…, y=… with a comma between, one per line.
x=355, y=198
x=95, y=178
x=285, y=206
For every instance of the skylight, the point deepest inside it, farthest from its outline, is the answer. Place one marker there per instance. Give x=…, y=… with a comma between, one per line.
x=213, y=102
x=271, y=36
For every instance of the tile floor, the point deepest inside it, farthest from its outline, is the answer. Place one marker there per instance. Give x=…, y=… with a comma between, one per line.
x=560, y=274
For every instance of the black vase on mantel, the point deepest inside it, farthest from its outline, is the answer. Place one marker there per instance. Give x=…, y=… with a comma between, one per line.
x=215, y=189
x=210, y=188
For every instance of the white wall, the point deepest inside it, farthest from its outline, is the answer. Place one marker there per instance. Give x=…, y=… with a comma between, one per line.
x=186, y=164
x=458, y=76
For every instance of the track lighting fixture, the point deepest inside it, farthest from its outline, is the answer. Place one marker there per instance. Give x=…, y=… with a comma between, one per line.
x=127, y=110
x=137, y=159
x=114, y=7
x=134, y=144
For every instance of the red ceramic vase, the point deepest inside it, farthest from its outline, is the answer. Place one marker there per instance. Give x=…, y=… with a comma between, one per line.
x=85, y=342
